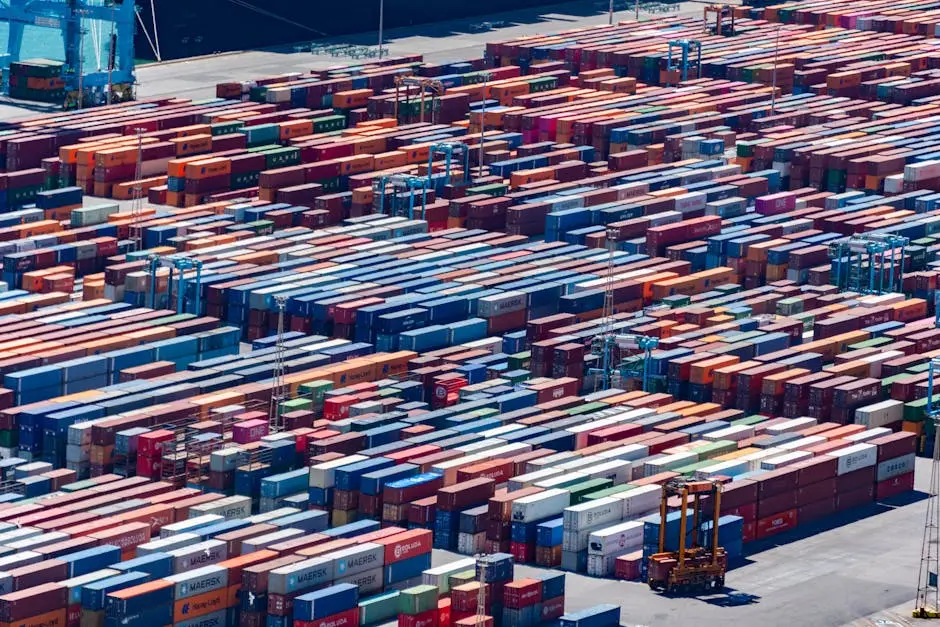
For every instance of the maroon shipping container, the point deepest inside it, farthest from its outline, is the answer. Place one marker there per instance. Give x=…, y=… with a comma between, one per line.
x=816, y=491
x=738, y=494
x=816, y=469
x=33, y=601
x=776, y=481
x=406, y=545
x=777, y=503
x=422, y=511
x=398, y=496
x=255, y=577
x=816, y=510
x=465, y=494
x=522, y=593
x=895, y=445
x=894, y=486
x=34, y=575
x=855, y=498
x=856, y=479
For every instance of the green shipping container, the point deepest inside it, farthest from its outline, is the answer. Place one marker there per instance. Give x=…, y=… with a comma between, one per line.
x=379, y=609
x=316, y=392
x=600, y=494
x=417, y=600
x=580, y=490
x=587, y=408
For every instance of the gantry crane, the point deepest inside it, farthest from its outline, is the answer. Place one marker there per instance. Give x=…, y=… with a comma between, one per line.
x=113, y=82
x=722, y=13
x=424, y=85
x=402, y=185
x=882, y=254
x=689, y=568
x=608, y=345
x=451, y=150
x=279, y=392
x=177, y=267
x=927, y=604
x=688, y=59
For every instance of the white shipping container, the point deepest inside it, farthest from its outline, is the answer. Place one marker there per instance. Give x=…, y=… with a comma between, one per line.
x=549, y=461
x=229, y=508
x=198, y=581
x=880, y=414
x=471, y=543
x=224, y=460
x=754, y=459
x=540, y=506
x=803, y=443
x=891, y=468
x=322, y=475
x=274, y=514
x=263, y=541
x=523, y=481
x=199, y=554
x=730, y=468
x=300, y=575
x=31, y=544
x=640, y=501
x=357, y=559
x=590, y=514
x=14, y=535
x=627, y=452
x=575, y=541
x=440, y=575
x=602, y=565
x=498, y=304
x=794, y=424
x=579, y=463
x=855, y=457
x=781, y=461
x=616, y=540
x=369, y=582
x=617, y=470
x=190, y=524
x=734, y=433
x=921, y=171
x=164, y=545
x=875, y=361
x=560, y=481
x=868, y=434
x=669, y=462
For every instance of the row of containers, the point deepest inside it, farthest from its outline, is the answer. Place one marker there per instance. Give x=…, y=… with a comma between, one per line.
x=361, y=445
x=825, y=347
x=181, y=566
x=235, y=142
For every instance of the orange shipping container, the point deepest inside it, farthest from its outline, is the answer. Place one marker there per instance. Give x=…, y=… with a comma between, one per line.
x=207, y=168
x=200, y=605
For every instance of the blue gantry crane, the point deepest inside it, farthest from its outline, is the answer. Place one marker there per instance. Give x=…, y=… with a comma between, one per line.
x=112, y=79
x=868, y=263
x=687, y=59
x=177, y=266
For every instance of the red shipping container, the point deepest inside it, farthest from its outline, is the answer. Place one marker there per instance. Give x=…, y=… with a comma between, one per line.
x=522, y=593
x=895, y=444
x=443, y=613
x=522, y=552
x=894, y=486
x=405, y=545
x=151, y=444
x=424, y=619
x=738, y=494
x=552, y=608
x=466, y=494
x=749, y=534
x=815, y=470
x=627, y=567
x=747, y=512
x=776, y=524
x=464, y=597
x=349, y=618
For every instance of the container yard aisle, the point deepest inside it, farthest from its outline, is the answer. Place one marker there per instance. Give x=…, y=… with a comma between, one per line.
x=196, y=78
x=837, y=577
